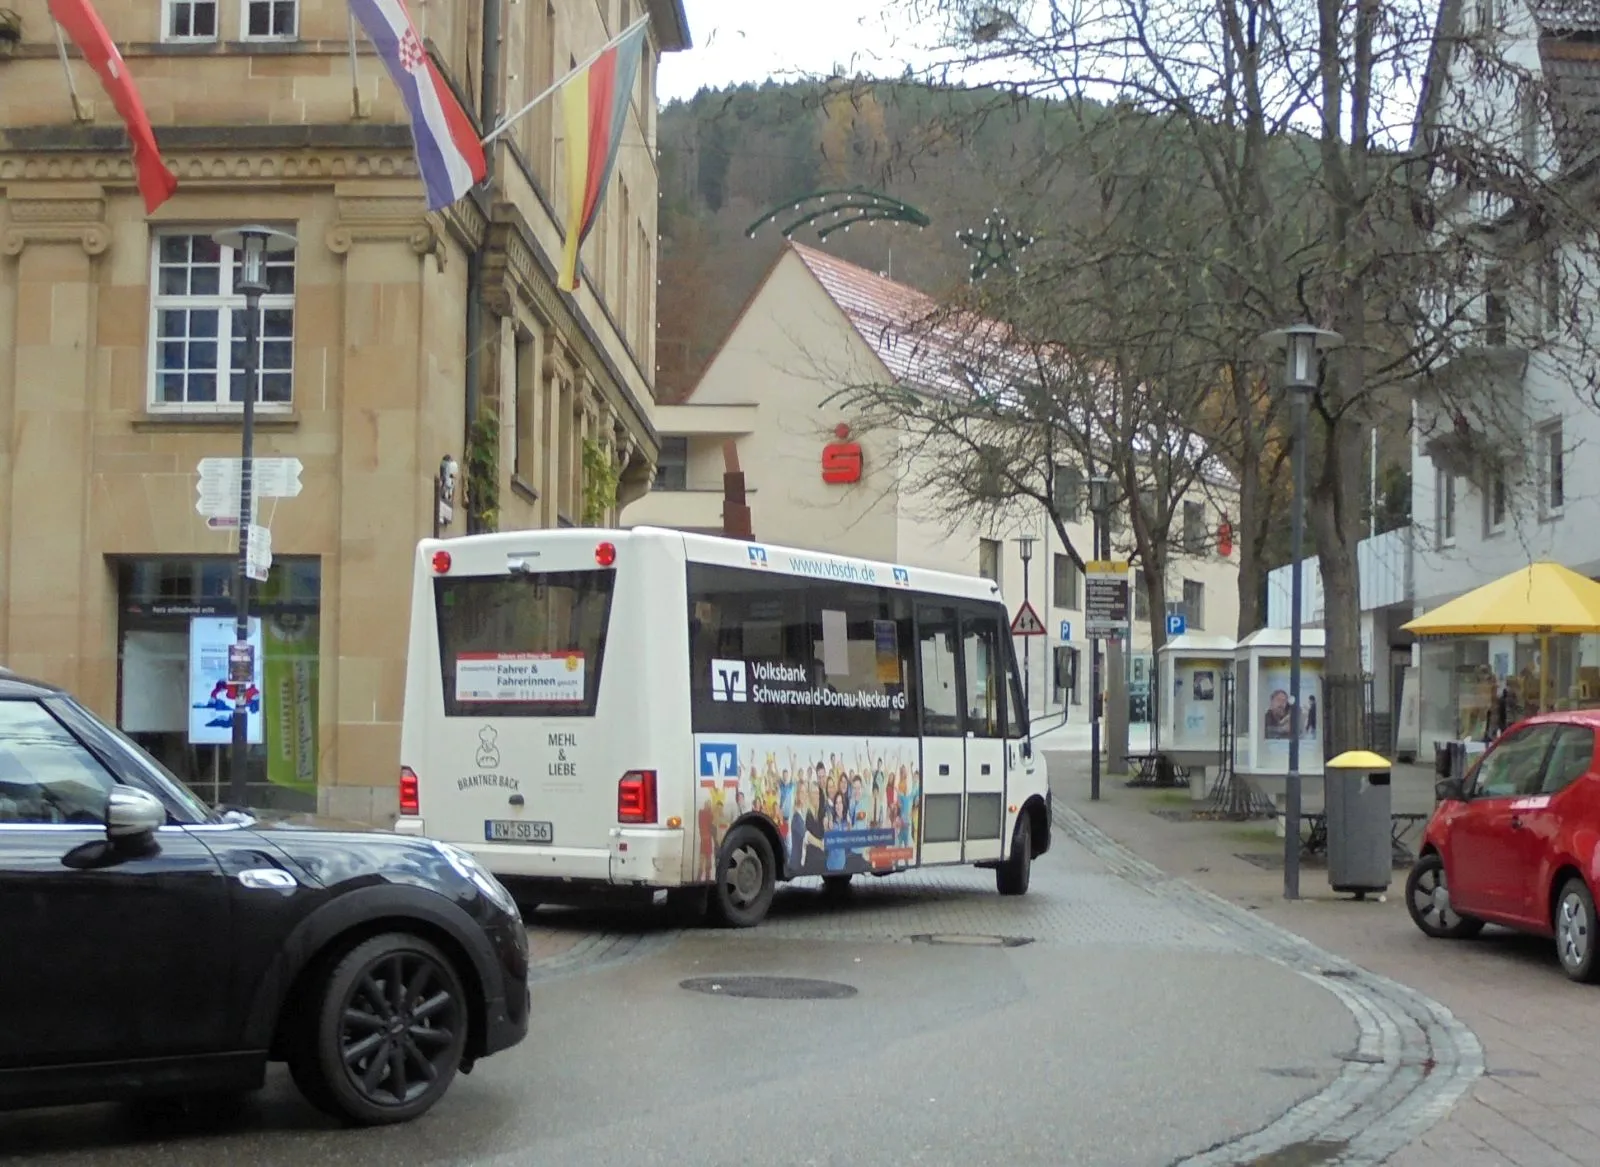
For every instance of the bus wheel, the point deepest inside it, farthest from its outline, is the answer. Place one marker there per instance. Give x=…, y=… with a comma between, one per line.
x=746, y=877
x=1011, y=877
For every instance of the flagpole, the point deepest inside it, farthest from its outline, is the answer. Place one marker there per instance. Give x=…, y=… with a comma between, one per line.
x=66, y=67
x=506, y=123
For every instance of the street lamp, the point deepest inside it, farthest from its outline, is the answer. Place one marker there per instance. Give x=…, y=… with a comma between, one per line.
x=1300, y=344
x=1025, y=549
x=1099, y=505
x=251, y=245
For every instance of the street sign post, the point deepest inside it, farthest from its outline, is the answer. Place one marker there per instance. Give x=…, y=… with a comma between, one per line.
x=1027, y=622
x=218, y=486
x=258, y=553
x=1177, y=624
x=1105, y=601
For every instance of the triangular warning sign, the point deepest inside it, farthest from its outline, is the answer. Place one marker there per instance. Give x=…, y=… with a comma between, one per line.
x=1027, y=622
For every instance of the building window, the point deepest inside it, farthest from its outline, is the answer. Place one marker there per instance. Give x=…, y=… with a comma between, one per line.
x=1552, y=470
x=989, y=559
x=1494, y=318
x=1065, y=593
x=189, y=20
x=1194, y=604
x=271, y=20
x=199, y=327
x=1194, y=528
x=1496, y=502
x=525, y=451
x=1446, y=508
x=1550, y=292
x=1068, y=492
x=672, y=468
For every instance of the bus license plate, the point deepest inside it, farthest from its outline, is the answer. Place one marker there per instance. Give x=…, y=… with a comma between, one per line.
x=516, y=831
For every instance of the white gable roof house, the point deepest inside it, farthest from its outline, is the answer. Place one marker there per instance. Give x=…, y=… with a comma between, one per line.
x=817, y=326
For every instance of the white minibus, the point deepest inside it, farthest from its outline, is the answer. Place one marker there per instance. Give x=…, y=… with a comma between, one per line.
x=668, y=714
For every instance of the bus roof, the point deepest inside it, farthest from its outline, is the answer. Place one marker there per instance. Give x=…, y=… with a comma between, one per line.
x=713, y=549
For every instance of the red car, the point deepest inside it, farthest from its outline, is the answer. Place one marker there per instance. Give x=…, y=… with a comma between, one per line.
x=1517, y=842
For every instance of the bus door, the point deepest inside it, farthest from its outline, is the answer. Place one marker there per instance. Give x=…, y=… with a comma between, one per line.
x=944, y=757
x=984, y=672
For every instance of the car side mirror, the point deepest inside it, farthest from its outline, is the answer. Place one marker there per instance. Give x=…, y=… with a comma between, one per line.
x=1449, y=790
x=132, y=814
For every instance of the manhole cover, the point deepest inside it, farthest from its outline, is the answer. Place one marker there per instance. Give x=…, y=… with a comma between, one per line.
x=769, y=988
x=971, y=940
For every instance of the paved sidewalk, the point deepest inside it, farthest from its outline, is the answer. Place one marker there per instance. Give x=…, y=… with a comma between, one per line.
x=1534, y=1107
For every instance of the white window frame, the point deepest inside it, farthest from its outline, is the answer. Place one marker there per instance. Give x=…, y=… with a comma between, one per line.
x=224, y=303
x=1496, y=484
x=1445, y=507
x=244, y=22
x=1195, y=615
x=1551, y=429
x=169, y=8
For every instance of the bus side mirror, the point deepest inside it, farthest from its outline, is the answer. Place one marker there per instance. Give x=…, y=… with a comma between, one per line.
x=1027, y=747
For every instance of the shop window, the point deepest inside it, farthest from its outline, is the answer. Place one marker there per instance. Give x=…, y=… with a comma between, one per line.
x=197, y=358
x=189, y=21
x=176, y=620
x=271, y=20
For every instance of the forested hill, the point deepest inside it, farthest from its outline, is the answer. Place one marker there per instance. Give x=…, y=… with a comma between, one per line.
x=730, y=156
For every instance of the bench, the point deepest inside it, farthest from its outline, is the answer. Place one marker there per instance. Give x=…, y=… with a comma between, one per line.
x=1316, y=842
x=1155, y=769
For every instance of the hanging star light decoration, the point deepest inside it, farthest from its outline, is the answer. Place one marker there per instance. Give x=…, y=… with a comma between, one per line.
x=838, y=210
x=998, y=245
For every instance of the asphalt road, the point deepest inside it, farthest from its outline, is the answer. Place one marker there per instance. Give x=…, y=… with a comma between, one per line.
x=1123, y=1033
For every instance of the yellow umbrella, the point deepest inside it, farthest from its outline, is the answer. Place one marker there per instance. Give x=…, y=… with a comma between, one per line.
x=1542, y=599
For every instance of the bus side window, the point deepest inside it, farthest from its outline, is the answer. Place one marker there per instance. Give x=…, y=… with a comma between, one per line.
x=936, y=653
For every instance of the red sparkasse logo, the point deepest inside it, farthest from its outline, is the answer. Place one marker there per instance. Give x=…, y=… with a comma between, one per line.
x=841, y=460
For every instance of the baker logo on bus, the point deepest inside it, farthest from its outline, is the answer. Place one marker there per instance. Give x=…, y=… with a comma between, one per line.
x=758, y=557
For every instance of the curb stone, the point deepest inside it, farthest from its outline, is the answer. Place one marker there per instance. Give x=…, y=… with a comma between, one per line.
x=1412, y=1063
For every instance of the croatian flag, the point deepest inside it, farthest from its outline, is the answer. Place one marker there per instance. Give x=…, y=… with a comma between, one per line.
x=448, y=153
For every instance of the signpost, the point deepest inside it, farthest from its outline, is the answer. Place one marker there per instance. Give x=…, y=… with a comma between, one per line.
x=1105, y=601
x=1177, y=624
x=1027, y=622
x=1066, y=631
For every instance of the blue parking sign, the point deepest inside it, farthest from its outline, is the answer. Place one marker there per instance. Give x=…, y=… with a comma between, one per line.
x=1066, y=630
x=1176, y=624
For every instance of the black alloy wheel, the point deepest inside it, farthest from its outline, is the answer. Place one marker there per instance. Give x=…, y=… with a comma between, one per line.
x=390, y=1031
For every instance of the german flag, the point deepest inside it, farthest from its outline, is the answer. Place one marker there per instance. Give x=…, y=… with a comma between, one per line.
x=594, y=107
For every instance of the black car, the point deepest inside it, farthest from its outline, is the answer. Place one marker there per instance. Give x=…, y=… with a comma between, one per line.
x=151, y=946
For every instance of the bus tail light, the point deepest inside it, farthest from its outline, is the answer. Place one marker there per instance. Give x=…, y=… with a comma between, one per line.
x=410, y=796
x=605, y=554
x=636, y=797
x=441, y=563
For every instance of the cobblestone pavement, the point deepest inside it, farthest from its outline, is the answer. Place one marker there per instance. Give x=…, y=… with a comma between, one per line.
x=1534, y=1103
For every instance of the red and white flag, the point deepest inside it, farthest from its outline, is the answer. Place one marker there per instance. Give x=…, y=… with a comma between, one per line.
x=81, y=23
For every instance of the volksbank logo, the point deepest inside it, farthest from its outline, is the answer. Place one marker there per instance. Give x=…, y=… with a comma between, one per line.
x=719, y=760
x=758, y=557
x=728, y=681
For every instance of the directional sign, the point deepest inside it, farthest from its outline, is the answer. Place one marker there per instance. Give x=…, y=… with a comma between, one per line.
x=218, y=487
x=1066, y=630
x=258, y=553
x=1027, y=622
x=1176, y=624
x=1105, y=599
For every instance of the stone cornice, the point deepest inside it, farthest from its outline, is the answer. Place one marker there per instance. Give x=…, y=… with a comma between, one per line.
x=71, y=216
x=218, y=169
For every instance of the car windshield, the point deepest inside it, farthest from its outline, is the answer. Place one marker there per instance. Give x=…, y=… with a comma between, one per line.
x=169, y=782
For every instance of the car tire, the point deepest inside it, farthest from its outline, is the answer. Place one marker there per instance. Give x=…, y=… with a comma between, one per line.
x=385, y=1032
x=747, y=877
x=1575, y=932
x=1428, y=901
x=1011, y=878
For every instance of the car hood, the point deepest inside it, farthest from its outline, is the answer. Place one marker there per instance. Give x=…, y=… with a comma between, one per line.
x=342, y=854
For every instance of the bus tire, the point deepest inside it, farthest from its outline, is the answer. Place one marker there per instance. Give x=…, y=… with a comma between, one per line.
x=747, y=875
x=1011, y=877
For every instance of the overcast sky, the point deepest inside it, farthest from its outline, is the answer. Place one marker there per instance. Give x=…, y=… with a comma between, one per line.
x=751, y=40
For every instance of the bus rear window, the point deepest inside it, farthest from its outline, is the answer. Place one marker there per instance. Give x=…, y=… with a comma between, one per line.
x=523, y=645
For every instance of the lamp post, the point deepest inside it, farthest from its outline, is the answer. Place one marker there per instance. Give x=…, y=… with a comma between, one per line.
x=1099, y=504
x=1300, y=343
x=251, y=246
x=1025, y=549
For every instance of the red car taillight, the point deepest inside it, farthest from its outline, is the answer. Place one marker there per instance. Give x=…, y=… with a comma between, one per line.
x=636, y=797
x=410, y=797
